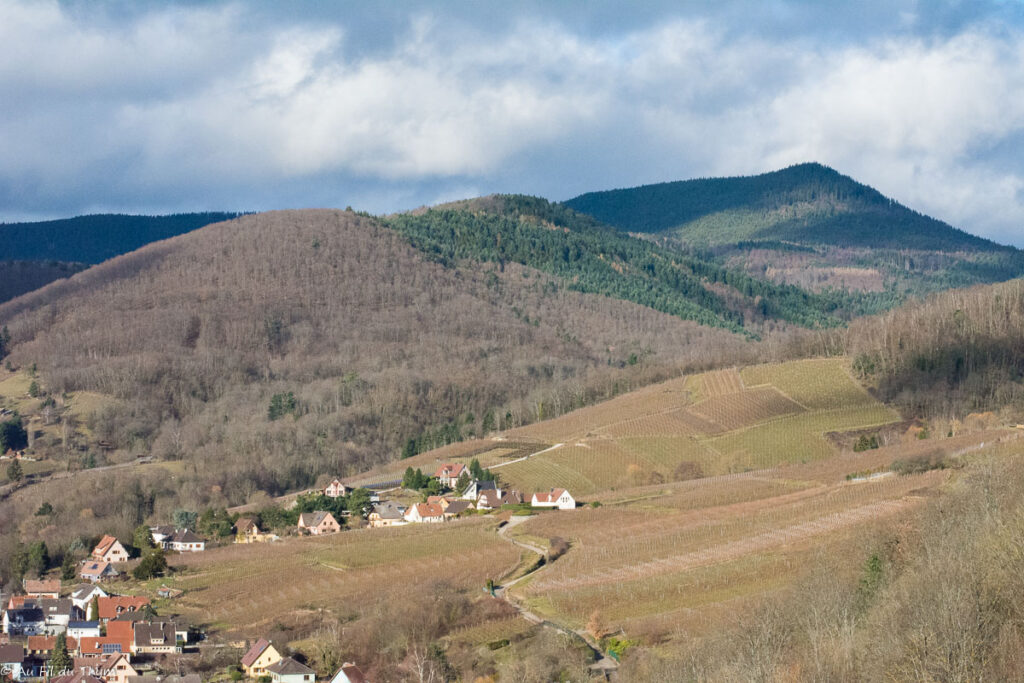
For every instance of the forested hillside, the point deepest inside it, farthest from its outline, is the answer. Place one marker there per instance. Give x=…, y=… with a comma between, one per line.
x=954, y=353
x=806, y=203
x=360, y=341
x=18, y=277
x=810, y=226
x=95, y=238
x=594, y=258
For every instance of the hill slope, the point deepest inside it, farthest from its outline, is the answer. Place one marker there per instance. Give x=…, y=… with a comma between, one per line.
x=191, y=339
x=95, y=238
x=805, y=204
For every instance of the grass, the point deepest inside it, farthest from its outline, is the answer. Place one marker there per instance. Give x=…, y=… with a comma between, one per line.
x=815, y=384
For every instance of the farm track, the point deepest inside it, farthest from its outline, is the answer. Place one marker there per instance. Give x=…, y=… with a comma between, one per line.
x=601, y=663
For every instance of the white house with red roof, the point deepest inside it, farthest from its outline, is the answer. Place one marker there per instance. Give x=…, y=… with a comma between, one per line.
x=336, y=489
x=555, y=498
x=448, y=473
x=430, y=513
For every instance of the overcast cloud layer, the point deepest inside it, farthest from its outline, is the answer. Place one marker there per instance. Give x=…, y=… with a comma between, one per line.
x=145, y=107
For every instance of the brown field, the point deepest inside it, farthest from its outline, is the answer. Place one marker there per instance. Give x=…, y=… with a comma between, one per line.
x=245, y=588
x=736, y=410
x=722, y=382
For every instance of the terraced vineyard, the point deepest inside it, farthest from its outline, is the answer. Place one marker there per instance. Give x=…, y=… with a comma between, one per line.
x=715, y=423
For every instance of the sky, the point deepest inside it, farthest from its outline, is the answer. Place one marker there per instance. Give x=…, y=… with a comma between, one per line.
x=156, y=107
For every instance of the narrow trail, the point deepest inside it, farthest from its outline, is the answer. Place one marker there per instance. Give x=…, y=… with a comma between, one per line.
x=526, y=457
x=602, y=664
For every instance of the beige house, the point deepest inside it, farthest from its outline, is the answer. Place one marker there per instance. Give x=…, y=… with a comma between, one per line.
x=42, y=589
x=246, y=531
x=386, y=513
x=448, y=473
x=318, y=523
x=260, y=656
x=109, y=549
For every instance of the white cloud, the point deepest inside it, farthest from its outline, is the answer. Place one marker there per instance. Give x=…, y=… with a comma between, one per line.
x=181, y=101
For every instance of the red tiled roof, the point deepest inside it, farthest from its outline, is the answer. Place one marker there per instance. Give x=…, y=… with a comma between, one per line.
x=450, y=470
x=94, y=646
x=47, y=643
x=46, y=586
x=116, y=604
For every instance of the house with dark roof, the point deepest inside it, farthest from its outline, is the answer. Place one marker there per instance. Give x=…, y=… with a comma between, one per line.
x=12, y=660
x=456, y=508
x=82, y=596
x=489, y=500
x=155, y=638
x=477, y=487
x=287, y=670
x=24, y=621
x=161, y=533
x=318, y=523
x=386, y=513
x=184, y=541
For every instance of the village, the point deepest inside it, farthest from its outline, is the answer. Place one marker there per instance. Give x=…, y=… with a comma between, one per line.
x=82, y=633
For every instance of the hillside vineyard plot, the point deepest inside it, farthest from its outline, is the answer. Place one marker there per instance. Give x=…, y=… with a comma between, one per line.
x=715, y=423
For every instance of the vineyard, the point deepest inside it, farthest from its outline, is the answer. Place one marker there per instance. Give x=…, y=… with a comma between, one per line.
x=715, y=423
x=242, y=588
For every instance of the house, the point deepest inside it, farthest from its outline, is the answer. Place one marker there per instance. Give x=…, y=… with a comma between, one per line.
x=425, y=512
x=555, y=498
x=261, y=655
x=477, y=487
x=349, y=673
x=457, y=508
x=336, y=489
x=184, y=541
x=113, y=606
x=57, y=614
x=42, y=646
x=103, y=645
x=84, y=629
x=109, y=549
x=489, y=500
x=443, y=501
x=24, y=621
x=113, y=668
x=246, y=531
x=161, y=533
x=387, y=513
x=42, y=589
x=12, y=660
x=155, y=638
x=96, y=571
x=82, y=596
x=512, y=498
x=448, y=473
x=318, y=523
x=288, y=670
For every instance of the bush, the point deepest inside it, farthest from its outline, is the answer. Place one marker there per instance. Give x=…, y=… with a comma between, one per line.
x=924, y=463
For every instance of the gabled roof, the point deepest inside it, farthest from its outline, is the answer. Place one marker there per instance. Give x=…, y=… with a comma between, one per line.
x=96, y=568
x=428, y=510
x=244, y=524
x=185, y=536
x=105, y=544
x=313, y=519
x=30, y=614
x=149, y=633
x=352, y=672
x=490, y=498
x=389, y=509
x=164, y=530
x=46, y=643
x=450, y=469
x=458, y=507
x=44, y=586
x=482, y=485
x=250, y=657
x=289, y=667
x=83, y=591
x=550, y=497
x=111, y=606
